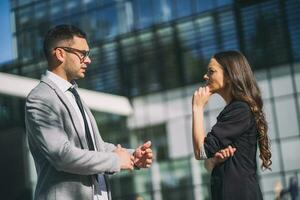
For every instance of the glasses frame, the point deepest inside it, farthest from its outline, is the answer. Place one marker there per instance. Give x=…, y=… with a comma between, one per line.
x=83, y=53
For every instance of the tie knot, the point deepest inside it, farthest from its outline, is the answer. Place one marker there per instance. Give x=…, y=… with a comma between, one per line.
x=74, y=91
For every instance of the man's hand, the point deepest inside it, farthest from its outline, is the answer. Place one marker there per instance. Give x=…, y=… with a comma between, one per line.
x=143, y=155
x=224, y=154
x=125, y=158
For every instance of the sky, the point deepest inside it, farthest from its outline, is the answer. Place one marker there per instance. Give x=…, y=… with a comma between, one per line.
x=5, y=32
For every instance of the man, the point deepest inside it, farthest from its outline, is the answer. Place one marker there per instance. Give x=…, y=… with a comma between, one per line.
x=70, y=156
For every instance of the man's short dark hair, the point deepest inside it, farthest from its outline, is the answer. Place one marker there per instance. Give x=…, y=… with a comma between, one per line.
x=64, y=32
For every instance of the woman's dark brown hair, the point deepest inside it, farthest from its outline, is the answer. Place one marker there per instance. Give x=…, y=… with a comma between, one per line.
x=244, y=87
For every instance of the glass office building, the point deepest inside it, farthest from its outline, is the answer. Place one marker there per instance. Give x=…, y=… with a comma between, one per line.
x=155, y=52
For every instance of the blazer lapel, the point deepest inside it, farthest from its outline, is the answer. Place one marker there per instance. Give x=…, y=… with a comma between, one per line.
x=74, y=118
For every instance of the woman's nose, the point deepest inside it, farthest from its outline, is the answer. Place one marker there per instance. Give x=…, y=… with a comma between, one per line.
x=205, y=77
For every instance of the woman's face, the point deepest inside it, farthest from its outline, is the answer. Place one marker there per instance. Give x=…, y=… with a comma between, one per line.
x=214, y=77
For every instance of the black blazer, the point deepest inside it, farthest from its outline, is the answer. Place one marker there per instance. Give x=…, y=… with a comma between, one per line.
x=234, y=179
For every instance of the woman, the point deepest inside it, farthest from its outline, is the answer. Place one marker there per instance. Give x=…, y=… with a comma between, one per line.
x=241, y=125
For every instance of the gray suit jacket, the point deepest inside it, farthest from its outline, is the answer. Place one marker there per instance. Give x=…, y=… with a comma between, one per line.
x=57, y=142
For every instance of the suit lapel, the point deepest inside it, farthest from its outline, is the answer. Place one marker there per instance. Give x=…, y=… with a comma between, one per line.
x=74, y=118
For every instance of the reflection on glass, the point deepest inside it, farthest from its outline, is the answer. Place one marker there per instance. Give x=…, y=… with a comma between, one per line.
x=162, y=10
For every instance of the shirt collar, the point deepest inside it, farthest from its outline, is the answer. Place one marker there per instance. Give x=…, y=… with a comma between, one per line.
x=61, y=83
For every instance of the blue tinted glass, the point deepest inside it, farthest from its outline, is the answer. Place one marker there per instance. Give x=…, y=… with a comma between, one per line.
x=125, y=17
x=293, y=17
x=144, y=9
x=206, y=36
x=109, y=22
x=203, y=5
x=228, y=30
x=73, y=6
x=183, y=8
x=223, y=2
x=162, y=10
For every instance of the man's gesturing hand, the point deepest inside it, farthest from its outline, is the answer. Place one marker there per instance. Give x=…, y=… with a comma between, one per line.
x=143, y=155
x=125, y=158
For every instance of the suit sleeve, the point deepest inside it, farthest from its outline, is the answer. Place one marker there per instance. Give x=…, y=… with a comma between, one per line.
x=48, y=139
x=231, y=124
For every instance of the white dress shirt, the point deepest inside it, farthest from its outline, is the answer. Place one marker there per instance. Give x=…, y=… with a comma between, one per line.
x=100, y=189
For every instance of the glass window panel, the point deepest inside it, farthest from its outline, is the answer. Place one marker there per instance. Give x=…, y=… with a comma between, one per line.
x=212, y=119
x=276, y=160
x=56, y=9
x=191, y=61
x=292, y=8
x=291, y=159
x=183, y=8
x=281, y=81
x=167, y=52
x=41, y=10
x=215, y=102
x=163, y=10
x=125, y=16
x=223, y=2
x=109, y=22
x=228, y=30
x=24, y=15
x=24, y=2
x=286, y=116
x=207, y=39
x=90, y=4
x=291, y=178
x=186, y=33
x=174, y=98
x=176, y=180
x=144, y=8
x=143, y=183
x=204, y=5
x=177, y=137
x=263, y=83
x=157, y=134
x=73, y=6
x=267, y=182
x=262, y=48
x=156, y=108
x=25, y=42
x=270, y=119
x=106, y=71
x=297, y=75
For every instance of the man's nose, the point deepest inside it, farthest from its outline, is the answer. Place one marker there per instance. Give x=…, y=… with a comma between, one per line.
x=87, y=60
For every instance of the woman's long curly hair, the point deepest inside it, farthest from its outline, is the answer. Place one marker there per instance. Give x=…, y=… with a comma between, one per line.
x=244, y=88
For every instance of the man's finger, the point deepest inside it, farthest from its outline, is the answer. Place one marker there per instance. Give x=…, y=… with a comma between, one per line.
x=150, y=155
x=146, y=145
x=148, y=151
x=149, y=161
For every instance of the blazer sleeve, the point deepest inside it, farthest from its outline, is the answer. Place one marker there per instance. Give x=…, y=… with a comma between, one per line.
x=233, y=122
x=48, y=139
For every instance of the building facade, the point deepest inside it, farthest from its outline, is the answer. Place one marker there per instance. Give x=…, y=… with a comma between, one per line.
x=155, y=52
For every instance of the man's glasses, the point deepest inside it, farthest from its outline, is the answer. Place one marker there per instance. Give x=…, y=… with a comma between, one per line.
x=83, y=54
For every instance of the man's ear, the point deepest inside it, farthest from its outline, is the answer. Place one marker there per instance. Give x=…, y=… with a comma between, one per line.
x=59, y=54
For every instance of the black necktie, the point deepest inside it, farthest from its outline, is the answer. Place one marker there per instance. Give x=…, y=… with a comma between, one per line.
x=86, y=126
